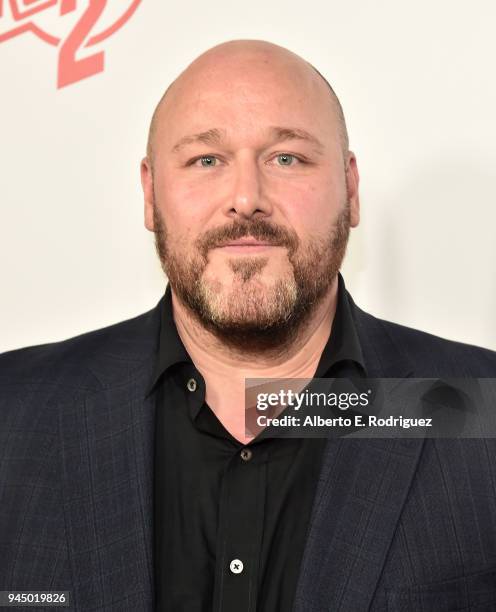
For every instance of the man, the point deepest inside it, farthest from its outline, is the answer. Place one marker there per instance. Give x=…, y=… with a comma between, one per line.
x=128, y=476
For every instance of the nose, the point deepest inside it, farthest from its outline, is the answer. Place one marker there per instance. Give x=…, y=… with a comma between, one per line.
x=246, y=199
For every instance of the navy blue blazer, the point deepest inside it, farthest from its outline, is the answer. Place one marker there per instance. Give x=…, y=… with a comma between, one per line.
x=397, y=524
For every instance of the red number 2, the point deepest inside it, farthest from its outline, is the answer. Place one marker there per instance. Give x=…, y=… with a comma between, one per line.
x=71, y=69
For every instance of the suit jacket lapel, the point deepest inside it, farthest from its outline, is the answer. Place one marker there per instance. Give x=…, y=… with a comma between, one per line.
x=107, y=447
x=361, y=491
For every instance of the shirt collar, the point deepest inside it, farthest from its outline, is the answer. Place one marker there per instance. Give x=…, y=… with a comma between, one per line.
x=343, y=343
x=171, y=350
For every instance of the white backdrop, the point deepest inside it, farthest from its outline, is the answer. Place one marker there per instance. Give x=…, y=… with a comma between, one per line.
x=416, y=83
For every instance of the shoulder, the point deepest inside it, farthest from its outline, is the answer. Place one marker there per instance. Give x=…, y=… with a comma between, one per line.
x=85, y=361
x=430, y=354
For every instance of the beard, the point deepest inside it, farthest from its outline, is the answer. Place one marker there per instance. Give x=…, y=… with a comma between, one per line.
x=251, y=315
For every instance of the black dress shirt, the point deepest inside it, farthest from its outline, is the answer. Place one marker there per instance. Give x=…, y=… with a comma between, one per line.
x=231, y=519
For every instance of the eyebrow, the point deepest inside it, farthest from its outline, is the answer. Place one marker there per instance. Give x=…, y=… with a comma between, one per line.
x=214, y=136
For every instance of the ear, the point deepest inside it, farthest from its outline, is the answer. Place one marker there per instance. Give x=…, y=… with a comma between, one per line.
x=147, y=184
x=352, y=180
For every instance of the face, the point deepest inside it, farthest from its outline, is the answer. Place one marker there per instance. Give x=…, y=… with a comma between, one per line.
x=249, y=196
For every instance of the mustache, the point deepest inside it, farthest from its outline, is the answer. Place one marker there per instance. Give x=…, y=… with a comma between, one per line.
x=256, y=228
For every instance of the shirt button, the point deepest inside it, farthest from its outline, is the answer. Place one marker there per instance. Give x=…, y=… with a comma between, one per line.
x=191, y=384
x=236, y=566
x=246, y=454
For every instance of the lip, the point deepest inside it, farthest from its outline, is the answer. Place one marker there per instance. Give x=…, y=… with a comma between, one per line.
x=246, y=247
x=247, y=242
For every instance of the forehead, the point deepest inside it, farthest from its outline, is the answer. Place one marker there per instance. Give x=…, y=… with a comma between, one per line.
x=246, y=103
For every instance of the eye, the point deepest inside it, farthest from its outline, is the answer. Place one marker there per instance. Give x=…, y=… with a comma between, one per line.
x=207, y=161
x=286, y=159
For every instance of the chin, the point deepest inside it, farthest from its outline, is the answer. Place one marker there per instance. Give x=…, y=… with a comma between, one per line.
x=251, y=301
x=256, y=288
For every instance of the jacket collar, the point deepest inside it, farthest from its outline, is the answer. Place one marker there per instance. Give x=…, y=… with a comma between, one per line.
x=384, y=356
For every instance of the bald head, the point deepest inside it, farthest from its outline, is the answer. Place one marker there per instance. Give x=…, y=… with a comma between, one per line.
x=245, y=53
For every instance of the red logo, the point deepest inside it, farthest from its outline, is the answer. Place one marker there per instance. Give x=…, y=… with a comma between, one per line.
x=70, y=25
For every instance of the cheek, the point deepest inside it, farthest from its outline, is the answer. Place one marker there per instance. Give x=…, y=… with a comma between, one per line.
x=189, y=188
x=311, y=208
x=318, y=192
x=183, y=210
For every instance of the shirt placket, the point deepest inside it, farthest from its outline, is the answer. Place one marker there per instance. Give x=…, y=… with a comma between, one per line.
x=239, y=542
